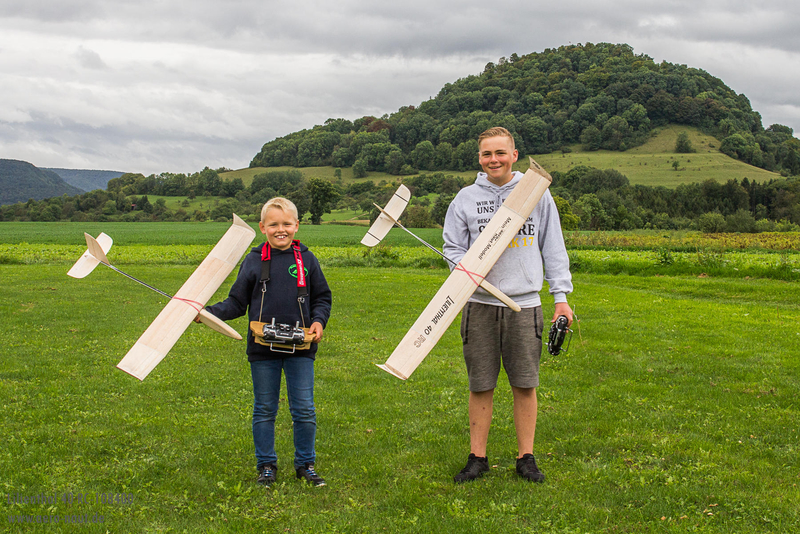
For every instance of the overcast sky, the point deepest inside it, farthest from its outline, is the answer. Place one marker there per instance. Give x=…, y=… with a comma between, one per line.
x=157, y=85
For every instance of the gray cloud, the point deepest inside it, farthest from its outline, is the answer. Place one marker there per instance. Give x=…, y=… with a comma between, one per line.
x=89, y=59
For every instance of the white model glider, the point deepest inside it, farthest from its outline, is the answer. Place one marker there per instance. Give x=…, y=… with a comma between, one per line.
x=185, y=305
x=469, y=273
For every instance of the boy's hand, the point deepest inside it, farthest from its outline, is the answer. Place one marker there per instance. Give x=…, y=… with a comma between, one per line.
x=316, y=329
x=197, y=319
x=562, y=308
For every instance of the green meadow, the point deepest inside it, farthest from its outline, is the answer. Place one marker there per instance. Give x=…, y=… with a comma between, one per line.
x=675, y=409
x=652, y=163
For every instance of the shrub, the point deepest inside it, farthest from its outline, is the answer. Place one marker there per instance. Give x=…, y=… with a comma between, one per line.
x=683, y=145
x=711, y=223
x=765, y=225
x=786, y=226
x=742, y=221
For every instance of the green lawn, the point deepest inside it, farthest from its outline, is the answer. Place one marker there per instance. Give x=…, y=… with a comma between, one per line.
x=675, y=410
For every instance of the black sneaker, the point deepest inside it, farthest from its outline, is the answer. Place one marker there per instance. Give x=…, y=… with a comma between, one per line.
x=308, y=472
x=267, y=474
x=476, y=467
x=527, y=468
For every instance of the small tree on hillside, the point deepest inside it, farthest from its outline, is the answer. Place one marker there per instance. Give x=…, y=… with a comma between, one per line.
x=683, y=145
x=359, y=168
x=323, y=195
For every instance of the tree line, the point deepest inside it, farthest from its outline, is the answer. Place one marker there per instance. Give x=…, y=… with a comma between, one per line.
x=594, y=199
x=587, y=198
x=603, y=96
x=127, y=198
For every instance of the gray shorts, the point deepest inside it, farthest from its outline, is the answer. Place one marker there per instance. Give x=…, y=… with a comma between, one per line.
x=494, y=333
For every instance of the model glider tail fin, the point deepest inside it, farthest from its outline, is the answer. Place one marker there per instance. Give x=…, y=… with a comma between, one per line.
x=385, y=221
x=94, y=255
x=535, y=167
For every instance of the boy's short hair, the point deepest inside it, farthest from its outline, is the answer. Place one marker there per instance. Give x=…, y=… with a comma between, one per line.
x=279, y=203
x=497, y=131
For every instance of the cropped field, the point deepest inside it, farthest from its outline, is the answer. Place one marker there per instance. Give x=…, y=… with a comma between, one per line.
x=676, y=408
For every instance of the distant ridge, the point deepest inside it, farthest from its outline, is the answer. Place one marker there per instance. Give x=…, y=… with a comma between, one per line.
x=88, y=180
x=21, y=181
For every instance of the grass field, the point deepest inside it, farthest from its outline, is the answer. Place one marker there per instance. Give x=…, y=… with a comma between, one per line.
x=676, y=408
x=649, y=164
x=166, y=233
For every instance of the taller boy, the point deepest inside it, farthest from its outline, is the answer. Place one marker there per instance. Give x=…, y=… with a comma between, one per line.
x=491, y=332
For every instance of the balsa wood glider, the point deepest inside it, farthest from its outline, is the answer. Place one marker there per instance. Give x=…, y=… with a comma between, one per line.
x=468, y=274
x=185, y=305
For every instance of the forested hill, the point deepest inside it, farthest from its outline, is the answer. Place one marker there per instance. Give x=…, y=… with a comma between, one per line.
x=20, y=181
x=603, y=96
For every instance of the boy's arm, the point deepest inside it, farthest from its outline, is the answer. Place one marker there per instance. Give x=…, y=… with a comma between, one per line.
x=321, y=297
x=554, y=252
x=238, y=297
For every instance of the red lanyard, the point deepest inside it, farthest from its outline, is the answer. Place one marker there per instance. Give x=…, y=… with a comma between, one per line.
x=266, y=256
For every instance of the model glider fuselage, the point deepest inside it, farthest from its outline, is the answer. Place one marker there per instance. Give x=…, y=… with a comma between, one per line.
x=469, y=273
x=185, y=305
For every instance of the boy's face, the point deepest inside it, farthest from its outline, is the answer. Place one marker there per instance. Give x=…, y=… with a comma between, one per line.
x=279, y=227
x=496, y=156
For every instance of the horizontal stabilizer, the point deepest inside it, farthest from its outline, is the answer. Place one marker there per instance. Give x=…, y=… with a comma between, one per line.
x=499, y=295
x=95, y=253
x=217, y=324
x=385, y=221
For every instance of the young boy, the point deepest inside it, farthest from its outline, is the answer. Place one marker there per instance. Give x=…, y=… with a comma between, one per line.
x=491, y=332
x=276, y=292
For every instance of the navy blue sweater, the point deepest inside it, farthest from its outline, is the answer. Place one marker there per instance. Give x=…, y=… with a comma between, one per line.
x=280, y=299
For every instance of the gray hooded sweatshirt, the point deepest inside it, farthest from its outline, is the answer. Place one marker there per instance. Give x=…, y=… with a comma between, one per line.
x=535, y=254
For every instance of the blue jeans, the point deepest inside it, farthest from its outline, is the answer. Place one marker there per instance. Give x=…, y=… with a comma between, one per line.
x=299, y=373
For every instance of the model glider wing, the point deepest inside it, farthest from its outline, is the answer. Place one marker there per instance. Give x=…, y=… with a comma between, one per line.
x=386, y=219
x=95, y=253
x=181, y=310
x=468, y=274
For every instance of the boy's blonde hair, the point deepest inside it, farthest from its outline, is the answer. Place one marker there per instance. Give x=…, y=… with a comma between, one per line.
x=279, y=203
x=497, y=131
